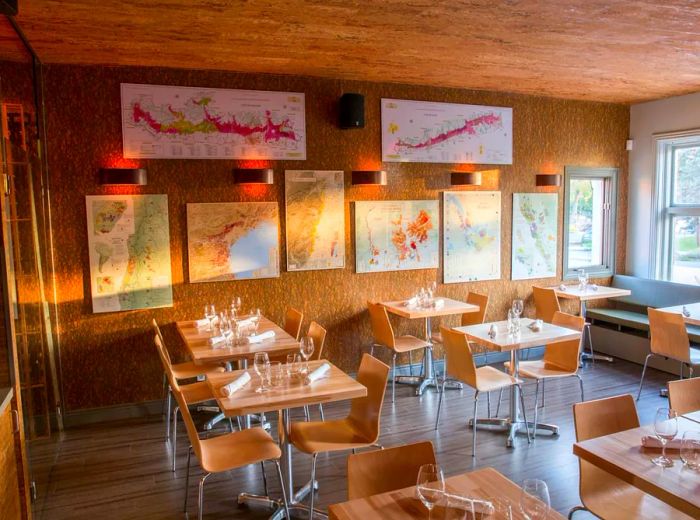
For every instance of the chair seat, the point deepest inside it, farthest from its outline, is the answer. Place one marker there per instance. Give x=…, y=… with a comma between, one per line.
x=409, y=343
x=189, y=370
x=318, y=437
x=436, y=337
x=489, y=379
x=538, y=369
x=196, y=392
x=237, y=449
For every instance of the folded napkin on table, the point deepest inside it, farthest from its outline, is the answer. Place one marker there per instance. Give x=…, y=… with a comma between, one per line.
x=439, y=303
x=472, y=505
x=257, y=338
x=205, y=322
x=412, y=302
x=246, y=322
x=317, y=374
x=650, y=441
x=216, y=340
x=235, y=385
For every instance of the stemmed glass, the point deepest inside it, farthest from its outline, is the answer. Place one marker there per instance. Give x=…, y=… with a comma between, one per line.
x=255, y=314
x=690, y=449
x=582, y=279
x=517, y=307
x=534, y=499
x=235, y=306
x=262, y=368
x=210, y=314
x=430, y=486
x=225, y=327
x=306, y=349
x=666, y=428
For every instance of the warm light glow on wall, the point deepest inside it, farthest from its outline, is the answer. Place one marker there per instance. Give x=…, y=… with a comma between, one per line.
x=490, y=179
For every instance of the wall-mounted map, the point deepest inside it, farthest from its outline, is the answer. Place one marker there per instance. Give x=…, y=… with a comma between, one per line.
x=535, y=217
x=472, y=241
x=204, y=123
x=232, y=241
x=315, y=219
x=423, y=131
x=129, y=249
x=396, y=235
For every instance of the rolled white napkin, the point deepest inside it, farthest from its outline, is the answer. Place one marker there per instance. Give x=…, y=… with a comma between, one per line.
x=562, y=287
x=235, y=385
x=217, y=340
x=650, y=441
x=439, y=303
x=246, y=322
x=412, y=302
x=318, y=373
x=471, y=505
x=205, y=322
x=257, y=338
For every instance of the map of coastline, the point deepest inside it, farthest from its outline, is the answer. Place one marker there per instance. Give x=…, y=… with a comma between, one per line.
x=534, y=235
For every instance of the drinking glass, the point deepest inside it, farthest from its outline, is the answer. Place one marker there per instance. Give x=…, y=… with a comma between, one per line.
x=511, y=321
x=210, y=314
x=502, y=509
x=582, y=279
x=430, y=485
x=291, y=359
x=433, y=288
x=262, y=368
x=517, y=307
x=307, y=349
x=235, y=306
x=534, y=499
x=690, y=449
x=255, y=314
x=276, y=374
x=666, y=428
x=225, y=327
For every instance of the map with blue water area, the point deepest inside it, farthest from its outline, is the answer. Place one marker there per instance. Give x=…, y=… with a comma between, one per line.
x=535, y=217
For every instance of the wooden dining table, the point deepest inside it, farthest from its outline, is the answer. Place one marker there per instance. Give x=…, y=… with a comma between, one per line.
x=403, y=504
x=336, y=385
x=504, y=342
x=622, y=455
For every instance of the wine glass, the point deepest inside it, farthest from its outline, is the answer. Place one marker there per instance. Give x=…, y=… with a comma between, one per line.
x=307, y=349
x=690, y=449
x=262, y=368
x=255, y=314
x=582, y=279
x=210, y=314
x=225, y=327
x=430, y=485
x=235, y=306
x=534, y=499
x=517, y=307
x=666, y=428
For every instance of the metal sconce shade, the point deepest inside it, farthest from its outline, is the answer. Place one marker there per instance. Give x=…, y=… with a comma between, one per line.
x=123, y=176
x=252, y=176
x=548, y=179
x=465, y=178
x=361, y=177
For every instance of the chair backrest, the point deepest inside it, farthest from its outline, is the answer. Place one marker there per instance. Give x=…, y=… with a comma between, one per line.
x=669, y=336
x=684, y=395
x=318, y=334
x=381, y=326
x=292, y=322
x=546, y=303
x=474, y=318
x=163, y=354
x=380, y=471
x=365, y=412
x=565, y=355
x=156, y=329
x=458, y=357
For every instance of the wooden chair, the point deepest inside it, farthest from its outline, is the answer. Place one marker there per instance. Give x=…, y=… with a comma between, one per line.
x=292, y=322
x=471, y=318
x=669, y=339
x=546, y=303
x=603, y=494
x=461, y=367
x=384, y=336
x=360, y=429
x=684, y=395
x=318, y=334
x=374, y=472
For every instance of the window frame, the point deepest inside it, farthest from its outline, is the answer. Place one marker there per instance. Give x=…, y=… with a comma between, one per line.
x=610, y=177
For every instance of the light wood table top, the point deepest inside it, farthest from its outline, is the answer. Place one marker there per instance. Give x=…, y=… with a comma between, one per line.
x=693, y=309
x=526, y=339
x=450, y=308
x=335, y=386
x=404, y=505
x=622, y=455
x=197, y=342
x=693, y=416
x=573, y=292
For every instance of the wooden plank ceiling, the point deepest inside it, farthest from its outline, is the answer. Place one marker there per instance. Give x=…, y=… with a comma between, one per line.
x=605, y=50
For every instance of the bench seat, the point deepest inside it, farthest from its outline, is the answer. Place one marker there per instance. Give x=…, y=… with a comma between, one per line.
x=634, y=320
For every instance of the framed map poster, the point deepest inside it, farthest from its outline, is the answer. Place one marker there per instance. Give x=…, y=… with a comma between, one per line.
x=315, y=219
x=396, y=235
x=472, y=236
x=232, y=241
x=535, y=218
x=170, y=122
x=129, y=250
x=431, y=132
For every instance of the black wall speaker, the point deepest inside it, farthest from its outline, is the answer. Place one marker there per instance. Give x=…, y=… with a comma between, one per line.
x=352, y=111
x=8, y=7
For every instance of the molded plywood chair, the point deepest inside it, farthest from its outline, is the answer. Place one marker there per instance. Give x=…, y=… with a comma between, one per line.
x=381, y=471
x=360, y=429
x=546, y=303
x=384, y=336
x=292, y=322
x=669, y=339
x=603, y=494
x=461, y=367
x=471, y=318
x=318, y=334
x=684, y=395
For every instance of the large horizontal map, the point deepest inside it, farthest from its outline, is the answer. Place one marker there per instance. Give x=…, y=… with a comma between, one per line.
x=232, y=241
x=396, y=235
x=315, y=219
x=171, y=122
x=535, y=219
x=431, y=132
x=472, y=241
x=129, y=250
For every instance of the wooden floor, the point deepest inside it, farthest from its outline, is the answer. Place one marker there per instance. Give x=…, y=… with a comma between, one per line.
x=122, y=470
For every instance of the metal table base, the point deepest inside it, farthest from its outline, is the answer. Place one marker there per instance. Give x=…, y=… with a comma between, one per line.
x=590, y=356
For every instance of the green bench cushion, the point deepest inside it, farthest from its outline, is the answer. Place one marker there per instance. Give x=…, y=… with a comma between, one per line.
x=624, y=318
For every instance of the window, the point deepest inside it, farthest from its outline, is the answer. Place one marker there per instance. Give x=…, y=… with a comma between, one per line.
x=677, y=244
x=589, y=221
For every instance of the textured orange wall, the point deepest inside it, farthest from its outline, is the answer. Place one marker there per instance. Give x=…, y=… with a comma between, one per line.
x=109, y=359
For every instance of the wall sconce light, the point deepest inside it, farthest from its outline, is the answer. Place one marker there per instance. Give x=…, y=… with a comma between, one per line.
x=123, y=176
x=465, y=178
x=253, y=176
x=548, y=179
x=368, y=178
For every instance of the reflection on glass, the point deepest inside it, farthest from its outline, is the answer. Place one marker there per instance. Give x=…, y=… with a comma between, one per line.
x=586, y=222
x=686, y=175
x=685, y=255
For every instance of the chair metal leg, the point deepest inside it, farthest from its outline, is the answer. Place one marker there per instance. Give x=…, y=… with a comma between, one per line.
x=187, y=476
x=306, y=413
x=371, y=351
x=442, y=394
x=173, y=442
x=240, y=424
x=641, y=381
x=320, y=411
x=264, y=475
x=285, y=500
x=354, y=451
x=313, y=490
x=474, y=428
x=682, y=370
x=537, y=392
x=498, y=406
x=580, y=382
x=164, y=396
x=169, y=405
x=576, y=509
x=201, y=496
x=410, y=362
x=488, y=404
x=522, y=404
x=230, y=424
x=393, y=378
x=543, y=381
